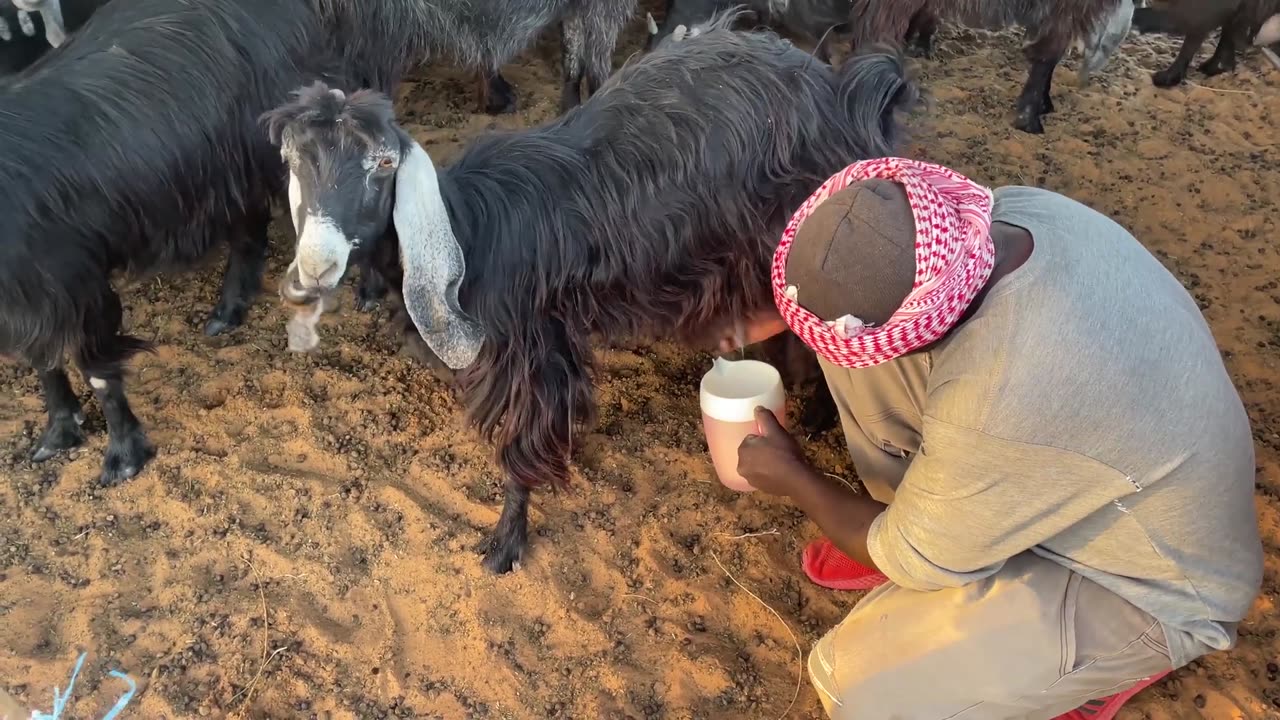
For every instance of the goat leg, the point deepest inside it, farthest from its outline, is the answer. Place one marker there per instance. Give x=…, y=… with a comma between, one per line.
x=497, y=97
x=920, y=32
x=128, y=448
x=242, y=279
x=371, y=290
x=572, y=48
x=1177, y=71
x=504, y=549
x=1044, y=55
x=1224, y=57
x=66, y=416
x=101, y=357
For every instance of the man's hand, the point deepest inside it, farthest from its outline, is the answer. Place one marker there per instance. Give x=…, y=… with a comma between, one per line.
x=771, y=460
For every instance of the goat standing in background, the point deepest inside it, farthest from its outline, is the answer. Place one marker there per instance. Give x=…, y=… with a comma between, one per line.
x=135, y=147
x=23, y=39
x=392, y=37
x=651, y=211
x=1240, y=20
x=1051, y=25
x=815, y=20
x=818, y=20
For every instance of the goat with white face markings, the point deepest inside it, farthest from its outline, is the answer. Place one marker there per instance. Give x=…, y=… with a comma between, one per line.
x=651, y=211
x=135, y=148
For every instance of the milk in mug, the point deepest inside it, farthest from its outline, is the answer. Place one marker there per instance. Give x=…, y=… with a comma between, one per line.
x=731, y=391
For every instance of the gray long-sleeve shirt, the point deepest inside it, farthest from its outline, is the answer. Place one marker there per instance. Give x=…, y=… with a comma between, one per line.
x=1084, y=413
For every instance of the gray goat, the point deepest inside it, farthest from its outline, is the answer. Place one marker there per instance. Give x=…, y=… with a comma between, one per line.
x=395, y=35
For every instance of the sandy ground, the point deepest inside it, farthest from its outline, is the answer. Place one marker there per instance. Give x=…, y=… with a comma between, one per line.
x=301, y=547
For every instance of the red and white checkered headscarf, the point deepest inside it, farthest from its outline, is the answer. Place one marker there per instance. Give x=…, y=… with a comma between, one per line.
x=954, y=259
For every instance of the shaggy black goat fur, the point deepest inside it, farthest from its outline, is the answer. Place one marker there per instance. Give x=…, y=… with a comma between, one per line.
x=391, y=37
x=135, y=147
x=651, y=211
x=816, y=21
x=1052, y=25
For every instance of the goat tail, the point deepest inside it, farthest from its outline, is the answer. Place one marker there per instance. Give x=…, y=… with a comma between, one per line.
x=872, y=88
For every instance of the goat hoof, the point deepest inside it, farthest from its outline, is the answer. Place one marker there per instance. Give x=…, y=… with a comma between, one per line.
x=1167, y=78
x=502, y=106
x=1029, y=122
x=370, y=293
x=62, y=433
x=1214, y=66
x=125, y=458
x=924, y=52
x=501, y=98
x=222, y=321
x=500, y=558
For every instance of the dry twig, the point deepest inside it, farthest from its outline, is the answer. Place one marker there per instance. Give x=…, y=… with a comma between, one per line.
x=799, y=652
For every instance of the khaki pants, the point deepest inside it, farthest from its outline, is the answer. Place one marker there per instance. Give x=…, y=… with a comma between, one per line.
x=1031, y=642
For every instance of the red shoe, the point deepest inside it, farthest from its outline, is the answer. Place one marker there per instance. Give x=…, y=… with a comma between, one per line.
x=830, y=568
x=1106, y=708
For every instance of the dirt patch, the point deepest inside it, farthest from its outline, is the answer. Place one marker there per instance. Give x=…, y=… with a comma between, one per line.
x=301, y=547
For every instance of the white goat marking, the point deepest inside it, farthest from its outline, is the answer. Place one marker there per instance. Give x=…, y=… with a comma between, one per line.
x=5, y=33
x=25, y=22
x=321, y=246
x=301, y=328
x=295, y=200
x=98, y=383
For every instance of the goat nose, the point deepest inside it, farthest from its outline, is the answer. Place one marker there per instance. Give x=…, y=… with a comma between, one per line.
x=318, y=275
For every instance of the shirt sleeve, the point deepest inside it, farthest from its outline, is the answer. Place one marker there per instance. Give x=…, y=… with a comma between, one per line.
x=969, y=501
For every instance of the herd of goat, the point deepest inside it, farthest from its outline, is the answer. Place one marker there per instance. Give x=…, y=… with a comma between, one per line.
x=139, y=134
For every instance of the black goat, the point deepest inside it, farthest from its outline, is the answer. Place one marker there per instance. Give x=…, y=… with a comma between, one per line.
x=24, y=35
x=393, y=36
x=814, y=20
x=818, y=20
x=136, y=147
x=650, y=211
x=1052, y=26
x=1241, y=22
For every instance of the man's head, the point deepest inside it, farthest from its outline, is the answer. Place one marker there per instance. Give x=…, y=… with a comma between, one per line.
x=855, y=255
x=883, y=260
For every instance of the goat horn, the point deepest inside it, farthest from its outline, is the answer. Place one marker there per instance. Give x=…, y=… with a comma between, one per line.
x=678, y=33
x=653, y=24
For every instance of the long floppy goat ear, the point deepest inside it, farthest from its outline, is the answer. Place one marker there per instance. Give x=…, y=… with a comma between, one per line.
x=433, y=262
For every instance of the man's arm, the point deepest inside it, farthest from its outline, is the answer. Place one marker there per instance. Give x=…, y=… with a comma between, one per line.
x=844, y=516
x=968, y=501
x=773, y=462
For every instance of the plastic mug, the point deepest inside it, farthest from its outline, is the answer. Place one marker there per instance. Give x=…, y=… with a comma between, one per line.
x=729, y=395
